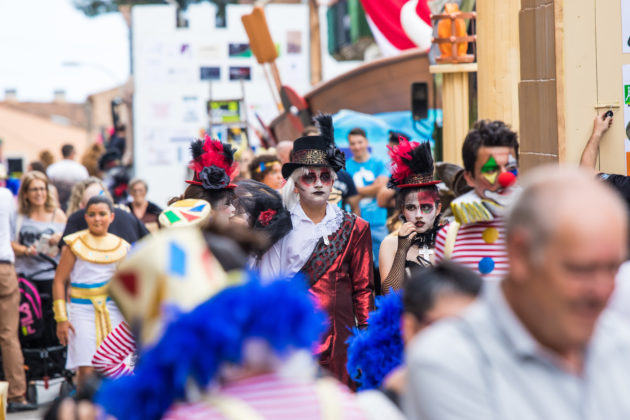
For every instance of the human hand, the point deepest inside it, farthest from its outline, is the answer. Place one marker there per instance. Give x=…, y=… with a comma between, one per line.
x=63, y=329
x=54, y=239
x=407, y=230
x=406, y=233
x=601, y=124
x=30, y=251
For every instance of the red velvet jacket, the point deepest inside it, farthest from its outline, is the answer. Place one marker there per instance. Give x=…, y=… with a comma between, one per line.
x=346, y=291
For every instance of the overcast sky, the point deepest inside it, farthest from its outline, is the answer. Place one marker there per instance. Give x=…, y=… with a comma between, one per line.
x=37, y=36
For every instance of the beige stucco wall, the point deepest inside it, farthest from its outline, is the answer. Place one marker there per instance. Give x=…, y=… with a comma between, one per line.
x=27, y=135
x=593, y=77
x=498, y=57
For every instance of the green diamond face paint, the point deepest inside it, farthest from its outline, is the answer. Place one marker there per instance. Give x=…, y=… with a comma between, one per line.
x=490, y=170
x=490, y=166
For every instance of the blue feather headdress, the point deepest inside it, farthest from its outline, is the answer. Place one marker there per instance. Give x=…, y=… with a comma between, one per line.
x=195, y=346
x=375, y=352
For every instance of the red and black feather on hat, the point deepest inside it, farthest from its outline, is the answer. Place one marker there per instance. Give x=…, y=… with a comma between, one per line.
x=213, y=164
x=412, y=165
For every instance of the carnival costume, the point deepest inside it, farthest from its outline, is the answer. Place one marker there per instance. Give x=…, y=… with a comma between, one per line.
x=476, y=239
x=177, y=272
x=374, y=353
x=412, y=167
x=92, y=312
x=334, y=255
x=187, y=353
x=213, y=164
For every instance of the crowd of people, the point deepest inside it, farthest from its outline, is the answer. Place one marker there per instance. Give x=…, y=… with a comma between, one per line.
x=300, y=283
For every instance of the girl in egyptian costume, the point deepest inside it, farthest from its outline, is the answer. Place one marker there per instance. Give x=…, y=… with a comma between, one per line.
x=89, y=260
x=418, y=201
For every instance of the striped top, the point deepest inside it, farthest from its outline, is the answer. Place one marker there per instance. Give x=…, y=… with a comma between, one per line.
x=478, y=246
x=271, y=396
x=110, y=357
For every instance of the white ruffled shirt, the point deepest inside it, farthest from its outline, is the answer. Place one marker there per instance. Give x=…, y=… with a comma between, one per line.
x=287, y=257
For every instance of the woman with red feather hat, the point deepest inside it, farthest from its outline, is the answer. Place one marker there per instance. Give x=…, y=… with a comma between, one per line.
x=418, y=201
x=214, y=169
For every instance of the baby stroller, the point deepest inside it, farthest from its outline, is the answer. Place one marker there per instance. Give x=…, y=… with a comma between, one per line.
x=44, y=357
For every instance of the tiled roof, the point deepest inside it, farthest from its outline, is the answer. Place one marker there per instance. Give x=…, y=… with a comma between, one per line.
x=63, y=113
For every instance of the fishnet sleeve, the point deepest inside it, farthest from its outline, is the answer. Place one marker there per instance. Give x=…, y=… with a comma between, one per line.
x=396, y=276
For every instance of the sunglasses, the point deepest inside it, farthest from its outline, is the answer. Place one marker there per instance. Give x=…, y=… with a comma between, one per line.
x=310, y=178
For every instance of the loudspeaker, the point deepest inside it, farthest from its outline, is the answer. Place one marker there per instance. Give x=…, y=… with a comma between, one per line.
x=419, y=100
x=15, y=165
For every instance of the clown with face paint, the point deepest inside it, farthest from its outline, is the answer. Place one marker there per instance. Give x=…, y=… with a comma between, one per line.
x=477, y=237
x=331, y=248
x=418, y=200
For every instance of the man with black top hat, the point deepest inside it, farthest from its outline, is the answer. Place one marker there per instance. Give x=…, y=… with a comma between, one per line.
x=331, y=248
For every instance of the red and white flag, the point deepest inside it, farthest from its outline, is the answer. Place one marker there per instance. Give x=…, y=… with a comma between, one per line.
x=399, y=24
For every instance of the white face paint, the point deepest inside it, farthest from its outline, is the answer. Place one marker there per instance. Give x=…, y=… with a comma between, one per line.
x=225, y=209
x=497, y=202
x=314, y=186
x=421, y=208
x=495, y=178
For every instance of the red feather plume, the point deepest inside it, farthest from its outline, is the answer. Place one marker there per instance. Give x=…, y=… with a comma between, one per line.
x=213, y=153
x=400, y=156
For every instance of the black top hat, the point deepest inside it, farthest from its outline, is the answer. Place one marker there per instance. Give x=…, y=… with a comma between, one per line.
x=317, y=150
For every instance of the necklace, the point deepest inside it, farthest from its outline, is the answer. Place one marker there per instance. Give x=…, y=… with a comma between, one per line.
x=424, y=256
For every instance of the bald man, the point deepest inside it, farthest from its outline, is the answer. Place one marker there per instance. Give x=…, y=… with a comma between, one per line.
x=283, y=151
x=520, y=352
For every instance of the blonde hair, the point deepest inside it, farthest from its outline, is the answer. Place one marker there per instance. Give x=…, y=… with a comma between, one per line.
x=76, y=195
x=289, y=196
x=90, y=158
x=135, y=181
x=24, y=207
x=47, y=158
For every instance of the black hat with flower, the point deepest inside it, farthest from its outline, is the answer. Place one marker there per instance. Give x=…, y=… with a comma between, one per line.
x=213, y=164
x=318, y=150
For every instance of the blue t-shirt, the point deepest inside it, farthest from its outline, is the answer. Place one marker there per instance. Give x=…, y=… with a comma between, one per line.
x=364, y=174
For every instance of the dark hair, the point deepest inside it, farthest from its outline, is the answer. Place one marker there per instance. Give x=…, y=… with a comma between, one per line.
x=310, y=130
x=36, y=165
x=425, y=285
x=100, y=199
x=67, y=150
x=255, y=168
x=211, y=196
x=394, y=137
x=232, y=243
x=487, y=134
x=357, y=132
x=401, y=195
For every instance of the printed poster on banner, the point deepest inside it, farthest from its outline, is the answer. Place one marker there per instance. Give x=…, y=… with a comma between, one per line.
x=626, y=113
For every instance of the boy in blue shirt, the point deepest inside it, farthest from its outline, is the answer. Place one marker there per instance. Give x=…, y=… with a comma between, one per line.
x=369, y=175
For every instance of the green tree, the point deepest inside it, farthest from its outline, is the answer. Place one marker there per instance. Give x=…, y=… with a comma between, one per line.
x=97, y=7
